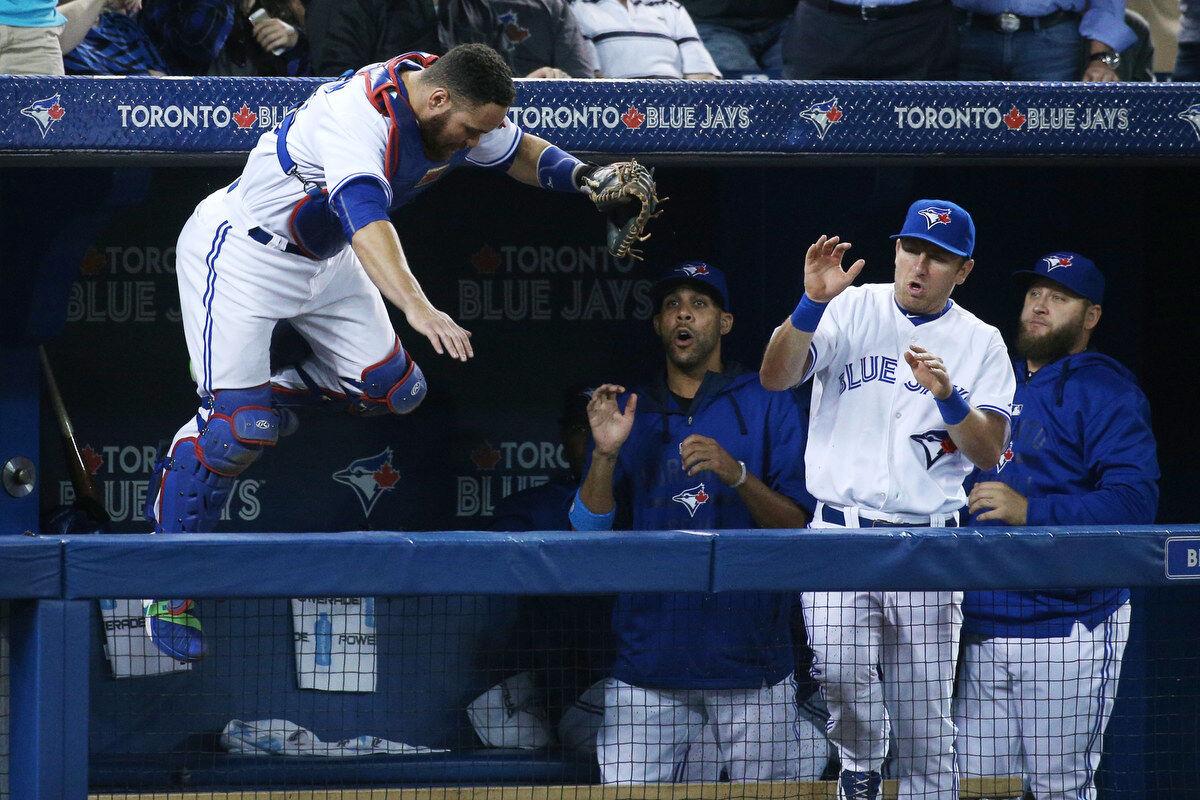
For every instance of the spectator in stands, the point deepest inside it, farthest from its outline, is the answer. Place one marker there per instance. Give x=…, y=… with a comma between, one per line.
x=345, y=34
x=876, y=40
x=743, y=36
x=644, y=39
x=188, y=33
x=1187, y=63
x=538, y=38
x=29, y=37
x=271, y=44
x=700, y=446
x=1042, y=40
x=116, y=44
x=1039, y=670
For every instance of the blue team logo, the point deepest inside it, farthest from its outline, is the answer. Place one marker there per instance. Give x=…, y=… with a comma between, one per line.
x=1055, y=262
x=1192, y=115
x=514, y=31
x=45, y=113
x=823, y=116
x=694, y=270
x=692, y=498
x=935, y=216
x=370, y=478
x=934, y=446
x=1005, y=457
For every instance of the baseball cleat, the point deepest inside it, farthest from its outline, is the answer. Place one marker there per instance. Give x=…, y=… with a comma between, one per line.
x=173, y=630
x=859, y=785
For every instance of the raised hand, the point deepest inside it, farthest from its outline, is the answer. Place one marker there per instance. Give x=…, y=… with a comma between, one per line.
x=610, y=426
x=446, y=335
x=929, y=371
x=824, y=278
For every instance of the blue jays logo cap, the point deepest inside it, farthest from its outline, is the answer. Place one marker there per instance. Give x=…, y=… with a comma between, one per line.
x=946, y=224
x=1069, y=270
x=709, y=278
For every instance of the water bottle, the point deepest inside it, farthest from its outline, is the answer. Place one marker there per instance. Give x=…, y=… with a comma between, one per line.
x=369, y=612
x=324, y=641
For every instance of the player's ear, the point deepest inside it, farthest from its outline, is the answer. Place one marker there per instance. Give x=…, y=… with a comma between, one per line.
x=964, y=271
x=1091, y=317
x=726, y=322
x=654, y=322
x=439, y=98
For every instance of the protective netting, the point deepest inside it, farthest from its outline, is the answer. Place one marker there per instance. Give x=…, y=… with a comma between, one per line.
x=558, y=696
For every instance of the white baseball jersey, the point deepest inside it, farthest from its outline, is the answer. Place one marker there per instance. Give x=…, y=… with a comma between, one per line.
x=876, y=439
x=646, y=39
x=337, y=135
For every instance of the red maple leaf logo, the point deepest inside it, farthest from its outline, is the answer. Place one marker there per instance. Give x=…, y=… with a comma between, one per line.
x=948, y=445
x=385, y=476
x=1008, y=454
x=1014, y=119
x=515, y=33
x=91, y=459
x=245, y=117
x=633, y=118
x=485, y=456
x=701, y=497
x=93, y=262
x=834, y=113
x=944, y=218
x=486, y=260
x=55, y=112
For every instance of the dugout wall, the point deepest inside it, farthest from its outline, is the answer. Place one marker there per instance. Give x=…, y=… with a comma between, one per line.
x=95, y=192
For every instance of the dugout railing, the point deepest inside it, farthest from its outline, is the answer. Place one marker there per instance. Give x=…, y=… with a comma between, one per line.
x=53, y=585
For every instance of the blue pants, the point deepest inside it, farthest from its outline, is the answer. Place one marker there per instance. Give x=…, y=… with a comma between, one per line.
x=1049, y=54
x=740, y=52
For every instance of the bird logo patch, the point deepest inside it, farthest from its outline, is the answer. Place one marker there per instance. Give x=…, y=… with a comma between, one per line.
x=1005, y=457
x=692, y=270
x=1055, y=262
x=370, y=478
x=933, y=446
x=935, y=216
x=1192, y=116
x=823, y=116
x=692, y=498
x=45, y=113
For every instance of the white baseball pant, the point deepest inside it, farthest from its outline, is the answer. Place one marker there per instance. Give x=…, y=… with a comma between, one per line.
x=661, y=735
x=1038, y=707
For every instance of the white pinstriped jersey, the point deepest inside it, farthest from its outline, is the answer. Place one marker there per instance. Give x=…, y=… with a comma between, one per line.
x=646, y=39
x=876, y=439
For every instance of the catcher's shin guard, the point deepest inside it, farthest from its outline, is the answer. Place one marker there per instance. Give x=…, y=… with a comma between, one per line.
x=198, y=474
x=395, y=384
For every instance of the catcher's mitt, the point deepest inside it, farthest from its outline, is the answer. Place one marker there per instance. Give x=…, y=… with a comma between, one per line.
x=625, y=192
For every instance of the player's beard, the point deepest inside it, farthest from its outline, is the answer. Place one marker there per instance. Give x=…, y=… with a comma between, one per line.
x=703, y=345
x=432, y=131
x=1052, y=345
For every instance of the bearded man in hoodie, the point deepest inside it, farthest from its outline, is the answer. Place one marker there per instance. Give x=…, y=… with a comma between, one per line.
x=1040, y=669
x=702, y=446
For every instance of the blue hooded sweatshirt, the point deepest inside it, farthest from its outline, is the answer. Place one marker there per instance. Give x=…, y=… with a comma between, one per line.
x=730, y=640
x=1082, y=453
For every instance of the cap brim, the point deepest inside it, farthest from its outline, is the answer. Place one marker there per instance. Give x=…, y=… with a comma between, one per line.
x=662, y=288
x=926, y=237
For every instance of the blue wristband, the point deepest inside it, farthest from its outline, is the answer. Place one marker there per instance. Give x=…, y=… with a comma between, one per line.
x=808, y=314
x=556, y=170
x=584, y=519
x=954, y=409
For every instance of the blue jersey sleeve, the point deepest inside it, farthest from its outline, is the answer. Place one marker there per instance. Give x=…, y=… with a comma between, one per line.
x=787, y=437
x=1121, y=454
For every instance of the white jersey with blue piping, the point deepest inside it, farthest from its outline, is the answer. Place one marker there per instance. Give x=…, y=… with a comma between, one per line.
x=341, y=133
x=876, y=439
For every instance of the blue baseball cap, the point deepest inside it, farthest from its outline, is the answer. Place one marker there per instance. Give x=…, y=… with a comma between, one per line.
x=700, y=273
x=1072, y=271
x=946, y=224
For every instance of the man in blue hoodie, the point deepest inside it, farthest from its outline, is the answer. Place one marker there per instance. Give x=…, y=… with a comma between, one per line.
x=1040, y=669
x=702, y=446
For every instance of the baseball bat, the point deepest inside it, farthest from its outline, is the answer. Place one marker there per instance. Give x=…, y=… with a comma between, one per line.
x=87, y=499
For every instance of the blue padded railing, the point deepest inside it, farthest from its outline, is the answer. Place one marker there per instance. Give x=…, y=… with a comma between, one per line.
x=74, y=115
